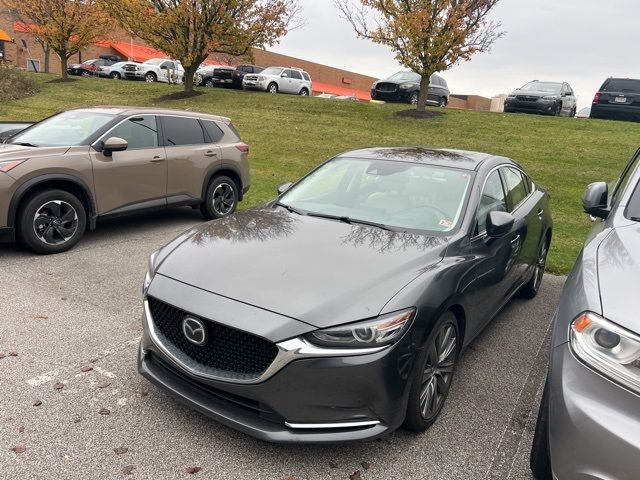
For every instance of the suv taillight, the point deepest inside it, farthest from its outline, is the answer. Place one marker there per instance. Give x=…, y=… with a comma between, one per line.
x=596, y=98
x=243, y=147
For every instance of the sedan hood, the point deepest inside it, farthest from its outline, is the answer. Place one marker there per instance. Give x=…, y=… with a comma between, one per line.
x=322, y=272
x=533, y=93
x=618, y=274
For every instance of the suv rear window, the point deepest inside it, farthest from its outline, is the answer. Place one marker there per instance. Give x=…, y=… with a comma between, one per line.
x=182, y=131
x=621, y=85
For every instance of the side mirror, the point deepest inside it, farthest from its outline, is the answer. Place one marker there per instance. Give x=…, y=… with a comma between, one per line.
x=284, y=187
x=499, y=224
x=595, y=199
x=113, y=144
x=284, y=75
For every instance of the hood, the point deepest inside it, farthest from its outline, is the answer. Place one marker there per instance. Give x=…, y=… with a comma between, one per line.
x=534, y=93
x=9, y=151
x=618, y=274
x=396, y=82
x=319, y=271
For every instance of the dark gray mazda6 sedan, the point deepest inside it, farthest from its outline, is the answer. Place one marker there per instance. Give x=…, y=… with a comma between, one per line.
x=338, y=311
x=589, y=421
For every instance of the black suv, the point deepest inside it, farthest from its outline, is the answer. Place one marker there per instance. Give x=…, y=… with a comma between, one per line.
x=549, y=98
x=240, y=71
x=618, y=98
x=405, y=87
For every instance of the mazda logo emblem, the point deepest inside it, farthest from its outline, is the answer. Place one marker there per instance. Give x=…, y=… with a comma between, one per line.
x=194, y=330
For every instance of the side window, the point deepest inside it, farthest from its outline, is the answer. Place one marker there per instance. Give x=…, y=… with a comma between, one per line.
x=516, y=187
x=306, y=76
x=621, y=185
x=288, y=73
x=139, y=132
x=493, y=200
x=213, y=130
x=182, y=131
x=296, y=75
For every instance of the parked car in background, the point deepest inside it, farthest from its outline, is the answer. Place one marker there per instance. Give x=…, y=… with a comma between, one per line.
x=584, y=113
x=368, y=278
x=91, y=67
x=589, y=420
x=405, y=87
x=214, y=76
x=280, y=80
x=155, y=70
x=115, y=71
x=9, y=129
x=61, y=175
x=550, y=98
x=241, y=71
x=618, y=98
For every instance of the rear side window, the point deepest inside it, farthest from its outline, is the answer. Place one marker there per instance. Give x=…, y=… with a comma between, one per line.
x=296, y=75
x=517, y=189
x=288, y=73
x=627, y=173
x=306, y=76
x=621, y=85
x=182, y=131
x=139, y=132
x=213, y=130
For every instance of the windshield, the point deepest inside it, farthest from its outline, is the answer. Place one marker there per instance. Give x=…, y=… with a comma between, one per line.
x=154, y=61
x=546, y=87
x=399, y=195
x=405, y=77
x=272, y=71
x=65, y=129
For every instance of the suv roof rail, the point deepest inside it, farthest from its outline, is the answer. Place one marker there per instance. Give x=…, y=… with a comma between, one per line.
x=296, y=68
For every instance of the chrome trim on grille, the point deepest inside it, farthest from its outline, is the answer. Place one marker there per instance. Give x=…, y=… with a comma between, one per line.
x=366, y=423
x=288, y=351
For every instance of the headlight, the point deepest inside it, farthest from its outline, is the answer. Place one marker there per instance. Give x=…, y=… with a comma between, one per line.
x=511, y=95
x=383, y=330
x=406, y=86
x=551, y=97
x=9, y=165
x=151, y=271
x=607, y=348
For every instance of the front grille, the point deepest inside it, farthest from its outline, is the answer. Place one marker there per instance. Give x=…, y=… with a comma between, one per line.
x=253, y=78
x=222, y=74
x=227, y=350
x=387, y=87
x=527, y=98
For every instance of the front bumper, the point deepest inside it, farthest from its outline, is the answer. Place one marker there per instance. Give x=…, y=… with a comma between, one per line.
x=594, y=424
x=397, y=96
x=255, y=85
x=312, y=400
x=539, y=106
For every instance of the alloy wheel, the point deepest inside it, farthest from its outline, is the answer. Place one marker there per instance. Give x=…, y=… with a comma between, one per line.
x=55, y=222
x=223, y=199
x=149, y=78
x=414, y=99
x=443, y=102
x=438, y=371
x=273, y=88
x=541, y=263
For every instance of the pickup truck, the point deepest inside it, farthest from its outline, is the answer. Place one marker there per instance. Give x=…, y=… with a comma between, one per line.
x=155, y=70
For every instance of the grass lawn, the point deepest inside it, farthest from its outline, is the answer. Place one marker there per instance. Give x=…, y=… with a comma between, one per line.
x=289, y=135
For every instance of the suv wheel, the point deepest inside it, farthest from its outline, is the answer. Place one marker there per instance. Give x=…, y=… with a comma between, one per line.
x=432, y=380
x=531, y=288
x=443, y=102
x=304, y=92
x=272, y=88
x=150, y=77
x=52, y=221
x=573, y=112
x=557, y=111
x=85, y=73
x=208, y=83
x=115, y=75
x=221, y=198
x=413, y=99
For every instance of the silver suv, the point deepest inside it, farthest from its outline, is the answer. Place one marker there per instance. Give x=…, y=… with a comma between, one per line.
x=280, y=80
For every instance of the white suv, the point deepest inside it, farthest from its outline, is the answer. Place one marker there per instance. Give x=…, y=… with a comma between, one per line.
x=155, y=70
x=280, y=80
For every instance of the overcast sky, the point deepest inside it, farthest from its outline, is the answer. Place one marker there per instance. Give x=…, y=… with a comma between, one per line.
x=578, y=41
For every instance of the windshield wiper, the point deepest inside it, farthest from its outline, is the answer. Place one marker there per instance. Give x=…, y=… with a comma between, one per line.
x=350, y=220
x=24, y=144
x=290, y=208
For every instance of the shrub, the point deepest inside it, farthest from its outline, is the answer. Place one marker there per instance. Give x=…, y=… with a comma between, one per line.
x=15, y=84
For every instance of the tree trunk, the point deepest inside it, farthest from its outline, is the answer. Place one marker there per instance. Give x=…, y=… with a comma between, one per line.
x=424, y=93
x=189, y=72
x=47, y=54
x=63, y=66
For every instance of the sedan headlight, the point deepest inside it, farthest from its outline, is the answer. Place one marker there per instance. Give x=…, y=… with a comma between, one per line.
x=9, y=165
x=151, y=271
x=607, y=348
x=551, y=97
x=383, y=330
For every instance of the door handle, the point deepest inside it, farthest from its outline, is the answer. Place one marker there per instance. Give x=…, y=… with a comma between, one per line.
x=157, y=159
x=515, y=240
x=540, y=213
x=211, y=153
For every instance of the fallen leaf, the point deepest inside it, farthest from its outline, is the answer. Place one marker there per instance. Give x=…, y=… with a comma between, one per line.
x=21, y=429
x=86, y=369
x=13, y=354
x=366, y=465
x=104, y=411
x=41, y=317
x=104, y=384
x=120, y=450
x=63, y=298
x=19, y=449
x=76, y=419
x=58, y=386
x=37, y=403
x=192, y=470
x=142, y=392
x=2, y=355
x=355, y=475
x=128, y=470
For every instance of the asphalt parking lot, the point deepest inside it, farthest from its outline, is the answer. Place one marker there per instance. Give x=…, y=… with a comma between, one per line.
x=67, y=313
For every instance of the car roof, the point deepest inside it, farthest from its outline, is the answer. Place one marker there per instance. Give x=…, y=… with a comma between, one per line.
x=462, y=159
x=121, y=110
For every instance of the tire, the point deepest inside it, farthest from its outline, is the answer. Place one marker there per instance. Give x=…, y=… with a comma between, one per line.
x=273, y=88
x=539, y=459
x=52, y=221
x=150, y=77
x=557, y=112
x=419, y=416
x=208, y=83
x=304, y=92
x=221, y=198
x=85, y=74
x=443, y=102
x=413, y=98
x=531, y=288
x=573, y=113
x=115, y=76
